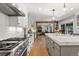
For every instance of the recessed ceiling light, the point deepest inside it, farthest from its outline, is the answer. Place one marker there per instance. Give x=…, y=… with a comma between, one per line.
x=20, y=9
x=13, y=4
x=40, y=9
x=71, y=8
x=64, y=9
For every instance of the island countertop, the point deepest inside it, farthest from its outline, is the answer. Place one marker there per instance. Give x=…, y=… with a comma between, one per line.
x=64, y=40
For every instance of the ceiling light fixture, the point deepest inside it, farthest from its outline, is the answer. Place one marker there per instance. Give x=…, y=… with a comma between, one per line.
x=71, y=8
x=13, y=4
x=20, y=9
x=64, y=9
x=40, y=9
x=53, y=14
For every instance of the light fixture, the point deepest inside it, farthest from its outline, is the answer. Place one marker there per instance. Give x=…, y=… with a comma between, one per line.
x=53, y=14
x=20, y=9
x=13, y=4
x=64, y=9
x=71, y=8
x=40, y=9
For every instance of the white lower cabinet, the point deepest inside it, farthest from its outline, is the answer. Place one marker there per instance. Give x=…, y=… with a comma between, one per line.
x=56, y=50
x=51, y=51
x=64, y=50
x=50, y=46
x=31, y=41
x=53, y=48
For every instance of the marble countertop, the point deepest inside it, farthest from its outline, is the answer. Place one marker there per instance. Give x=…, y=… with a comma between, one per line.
x=64, y=39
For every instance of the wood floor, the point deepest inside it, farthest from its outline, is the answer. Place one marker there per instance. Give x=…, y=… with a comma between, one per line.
x=39, y=47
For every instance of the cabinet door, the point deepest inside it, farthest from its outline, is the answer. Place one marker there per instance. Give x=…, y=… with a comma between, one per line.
x=56, y=50
x=13, y=21
x=51, y=50
x=50, y=47
x=22, y=21
x=51, y=53
x=47, y=42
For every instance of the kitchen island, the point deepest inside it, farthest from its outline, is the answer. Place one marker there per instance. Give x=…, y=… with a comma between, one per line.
x=62, y=45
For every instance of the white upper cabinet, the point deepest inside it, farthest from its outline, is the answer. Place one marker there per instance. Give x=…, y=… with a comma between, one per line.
x=13, y=21
x=23, y=21
x=20, y=21
x=17, y=21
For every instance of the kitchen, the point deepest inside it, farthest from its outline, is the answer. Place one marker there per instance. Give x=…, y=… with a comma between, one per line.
x=39, y=29
x=13, y=31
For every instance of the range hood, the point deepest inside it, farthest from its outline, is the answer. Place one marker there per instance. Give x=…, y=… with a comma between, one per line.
x=10, y=10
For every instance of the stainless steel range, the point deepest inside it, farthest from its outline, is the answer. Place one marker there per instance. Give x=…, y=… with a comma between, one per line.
x=13, y=47
x=8, y=45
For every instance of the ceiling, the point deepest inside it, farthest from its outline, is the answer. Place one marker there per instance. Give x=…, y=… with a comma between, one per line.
x=45, y=9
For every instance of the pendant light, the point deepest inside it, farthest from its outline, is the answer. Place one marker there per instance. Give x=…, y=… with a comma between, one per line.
x=64, y=9
x=71, y=7
x=53, y=14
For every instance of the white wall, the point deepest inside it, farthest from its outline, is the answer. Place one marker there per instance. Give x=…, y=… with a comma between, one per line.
x=6, y=31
